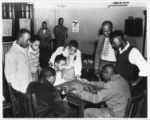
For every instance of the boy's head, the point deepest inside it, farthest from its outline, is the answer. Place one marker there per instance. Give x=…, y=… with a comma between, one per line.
x=107, y=71
x=48, y=74
x=107, y=27
x=73, y=46
x=60, y=62
x=116, y=39
x=35, y=43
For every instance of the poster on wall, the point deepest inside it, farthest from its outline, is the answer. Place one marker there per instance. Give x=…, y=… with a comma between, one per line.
x=24, y=23
x=7, y=27
x=75, y=26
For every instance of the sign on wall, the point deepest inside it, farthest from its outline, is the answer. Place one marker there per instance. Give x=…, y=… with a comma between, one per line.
x=25, y=23
x=75, y=26
x=7, y=27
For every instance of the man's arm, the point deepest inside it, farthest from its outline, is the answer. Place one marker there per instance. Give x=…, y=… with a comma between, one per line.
x=136, y=58
x=101, y=95
x=10, y=68
x=78, y=64
x=57, y=52
x=98, y=52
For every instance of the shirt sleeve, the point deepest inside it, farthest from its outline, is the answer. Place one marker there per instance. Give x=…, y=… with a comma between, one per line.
x=136, y=58
x=78, y=64
x=101, y=95
x=10, y=68
x=57, y=52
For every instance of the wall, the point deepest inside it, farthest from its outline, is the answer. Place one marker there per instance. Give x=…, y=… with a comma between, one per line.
x=90, y=20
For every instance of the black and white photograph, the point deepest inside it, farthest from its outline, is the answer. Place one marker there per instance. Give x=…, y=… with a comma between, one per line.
x=74, y=59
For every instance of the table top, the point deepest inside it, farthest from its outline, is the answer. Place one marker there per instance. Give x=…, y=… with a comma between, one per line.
x=70, y=86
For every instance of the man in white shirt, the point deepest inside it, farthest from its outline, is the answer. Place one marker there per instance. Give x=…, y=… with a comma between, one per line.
x=17, y=70
x=128, y=57
x=59, y=66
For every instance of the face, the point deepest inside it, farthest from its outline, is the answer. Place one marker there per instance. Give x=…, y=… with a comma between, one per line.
x=116, y=43
x=51, y=79
x=61, y=22
x=106, y=29
x=24, y=40
x=61, y=65
x=44, y=26
x=72, y=50
x=107, y=73
x=35, y=45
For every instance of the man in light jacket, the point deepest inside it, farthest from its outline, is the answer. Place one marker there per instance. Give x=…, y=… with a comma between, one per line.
x=115, y=94
x=17, y=70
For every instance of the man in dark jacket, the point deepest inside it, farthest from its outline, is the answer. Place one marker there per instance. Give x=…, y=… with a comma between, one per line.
x=49, y=101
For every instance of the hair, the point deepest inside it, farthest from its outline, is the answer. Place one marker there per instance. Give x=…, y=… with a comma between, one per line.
x=107, y=22
x=73, y=43
x=117, y=33
x=60, y=19
x=44, y=22
x=110, y=66
x=34, y=38
x=47, y=72
x=59, y=58
x=21, y=32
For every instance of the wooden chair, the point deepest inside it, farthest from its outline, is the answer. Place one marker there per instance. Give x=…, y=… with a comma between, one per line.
x=23, y=105
x=134, y=106
x=76, y=101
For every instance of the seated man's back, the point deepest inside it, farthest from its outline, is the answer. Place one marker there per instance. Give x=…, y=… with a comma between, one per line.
x=49, y=101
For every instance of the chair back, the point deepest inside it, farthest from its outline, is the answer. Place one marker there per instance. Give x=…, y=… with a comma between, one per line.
x=135, y=105
x=23, y=105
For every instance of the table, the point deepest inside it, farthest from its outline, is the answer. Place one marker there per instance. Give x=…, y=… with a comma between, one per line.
x=73, y=99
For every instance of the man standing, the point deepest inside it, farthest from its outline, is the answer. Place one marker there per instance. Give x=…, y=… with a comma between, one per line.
x=16, y=62
x=104, y=52
x=60, y=32
x=45, y=37
x=129, y=59
x=115, y=94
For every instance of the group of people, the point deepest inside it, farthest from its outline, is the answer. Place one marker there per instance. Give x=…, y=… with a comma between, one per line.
x=44, y=34
x=116, y=63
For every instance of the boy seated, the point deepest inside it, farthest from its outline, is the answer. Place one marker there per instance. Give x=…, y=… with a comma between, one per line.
x=59, y=66
x=49, y=101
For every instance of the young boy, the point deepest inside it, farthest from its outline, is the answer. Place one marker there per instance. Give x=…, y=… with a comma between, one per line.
x=49, y=101
x=104, y=52
x=59, y=66
x=33, y=54
x=73, y=60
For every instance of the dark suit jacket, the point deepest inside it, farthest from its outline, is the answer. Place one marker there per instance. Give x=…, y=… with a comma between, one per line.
x=49, y=101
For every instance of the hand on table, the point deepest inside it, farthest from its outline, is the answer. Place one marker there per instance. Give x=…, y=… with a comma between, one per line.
x=98, y=84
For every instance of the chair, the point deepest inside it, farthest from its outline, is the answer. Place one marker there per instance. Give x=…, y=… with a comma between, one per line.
x=134, y=106
x=76, y=101
x=23, y=105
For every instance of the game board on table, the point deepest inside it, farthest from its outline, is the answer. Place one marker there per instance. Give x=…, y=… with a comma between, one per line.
x=70, y=86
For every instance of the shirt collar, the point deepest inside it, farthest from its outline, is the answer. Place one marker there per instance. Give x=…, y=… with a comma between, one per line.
x=125, y=48
x=18, y=46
